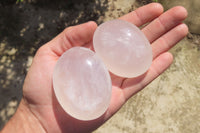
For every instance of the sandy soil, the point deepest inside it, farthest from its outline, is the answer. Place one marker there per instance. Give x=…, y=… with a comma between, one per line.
x=169, y=104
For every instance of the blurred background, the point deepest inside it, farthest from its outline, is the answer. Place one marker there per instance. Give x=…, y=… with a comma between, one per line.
x=169, y=104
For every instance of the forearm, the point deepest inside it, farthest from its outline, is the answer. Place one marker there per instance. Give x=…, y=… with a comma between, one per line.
x=23, y=121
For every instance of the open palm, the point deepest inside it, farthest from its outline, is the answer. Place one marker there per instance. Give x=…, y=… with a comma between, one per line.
x=163, y=32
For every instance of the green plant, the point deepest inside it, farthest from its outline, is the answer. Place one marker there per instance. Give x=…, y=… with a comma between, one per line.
x=155, y=0
x=18, y=1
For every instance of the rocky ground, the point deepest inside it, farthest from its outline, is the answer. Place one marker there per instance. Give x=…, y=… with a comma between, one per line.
x=169, y=104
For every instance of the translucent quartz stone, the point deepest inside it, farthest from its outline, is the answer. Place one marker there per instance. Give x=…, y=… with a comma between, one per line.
x=82, y=84
x=123, y=48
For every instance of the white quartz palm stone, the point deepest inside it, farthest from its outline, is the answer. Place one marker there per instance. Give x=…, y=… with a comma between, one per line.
x=123, y=48
x=82, y=84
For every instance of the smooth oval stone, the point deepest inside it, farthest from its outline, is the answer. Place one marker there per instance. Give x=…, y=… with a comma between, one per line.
x=123, y=48
x=82, y=84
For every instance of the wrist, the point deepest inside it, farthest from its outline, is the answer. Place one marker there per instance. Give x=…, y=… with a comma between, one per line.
x=23, y=121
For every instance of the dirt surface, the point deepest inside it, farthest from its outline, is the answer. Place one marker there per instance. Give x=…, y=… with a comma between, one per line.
x=169, y=104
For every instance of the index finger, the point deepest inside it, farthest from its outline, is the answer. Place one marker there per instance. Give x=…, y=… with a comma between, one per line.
x=143, y=14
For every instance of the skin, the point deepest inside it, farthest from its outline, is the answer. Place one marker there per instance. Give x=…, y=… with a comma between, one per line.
x=39, y=110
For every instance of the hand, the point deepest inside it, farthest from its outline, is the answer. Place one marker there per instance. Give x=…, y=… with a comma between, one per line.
x=39, y=104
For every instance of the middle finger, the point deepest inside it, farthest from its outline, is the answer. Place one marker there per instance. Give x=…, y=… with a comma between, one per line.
x=164, y=23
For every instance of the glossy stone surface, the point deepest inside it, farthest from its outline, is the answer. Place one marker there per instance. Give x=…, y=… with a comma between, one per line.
x=123, y=48
x=82, y=84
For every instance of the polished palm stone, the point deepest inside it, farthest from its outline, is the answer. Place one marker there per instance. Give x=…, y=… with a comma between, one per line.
x=82, y=84
x=123, y=48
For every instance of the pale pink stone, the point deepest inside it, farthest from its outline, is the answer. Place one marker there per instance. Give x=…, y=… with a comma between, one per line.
x=82, y=84
x=123, y=48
